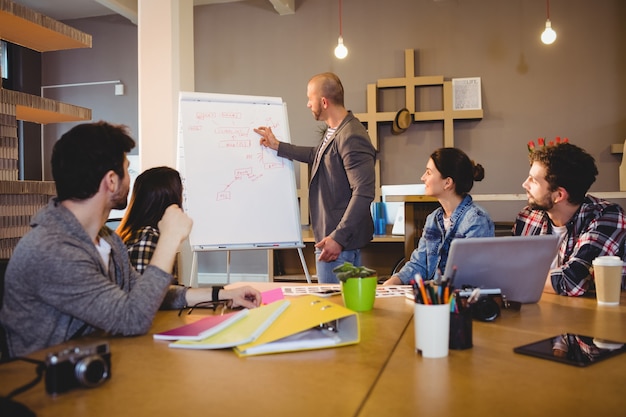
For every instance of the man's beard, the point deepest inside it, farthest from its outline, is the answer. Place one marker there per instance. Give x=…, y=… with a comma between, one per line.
x=544, y=204
x=120, y=200
x=317, y=114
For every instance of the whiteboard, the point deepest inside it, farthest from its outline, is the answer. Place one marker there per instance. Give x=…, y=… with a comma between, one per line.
x=240, y=194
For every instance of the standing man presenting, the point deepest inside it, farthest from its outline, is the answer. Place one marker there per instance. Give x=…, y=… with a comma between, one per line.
x=343, y=181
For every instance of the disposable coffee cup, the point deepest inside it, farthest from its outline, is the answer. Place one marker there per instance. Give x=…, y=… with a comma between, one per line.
x=607, y=271
x=432, y=329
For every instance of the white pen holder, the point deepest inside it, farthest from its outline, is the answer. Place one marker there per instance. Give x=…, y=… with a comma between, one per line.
x=432, y=329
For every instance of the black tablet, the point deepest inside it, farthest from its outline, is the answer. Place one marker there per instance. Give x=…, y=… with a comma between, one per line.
x=573, y=349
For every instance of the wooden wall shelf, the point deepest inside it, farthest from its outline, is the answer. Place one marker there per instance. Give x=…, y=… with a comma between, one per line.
x=23, y=26
x=30, y=108
x=617, y=148
x=417, y=207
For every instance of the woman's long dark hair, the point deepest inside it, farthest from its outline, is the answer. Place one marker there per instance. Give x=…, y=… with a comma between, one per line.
x=155, y=190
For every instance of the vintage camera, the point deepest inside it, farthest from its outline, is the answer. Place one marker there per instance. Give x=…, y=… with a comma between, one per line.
x=78, y=366
x=487, y=306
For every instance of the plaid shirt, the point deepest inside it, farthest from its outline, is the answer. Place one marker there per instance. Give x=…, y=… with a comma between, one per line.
x=141, y=246
x=597, y=229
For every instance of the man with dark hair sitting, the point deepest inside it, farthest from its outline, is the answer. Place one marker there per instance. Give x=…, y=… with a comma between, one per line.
x=557, y=184
x=70, y=275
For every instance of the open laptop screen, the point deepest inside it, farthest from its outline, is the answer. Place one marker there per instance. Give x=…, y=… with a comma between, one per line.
x=518, y=265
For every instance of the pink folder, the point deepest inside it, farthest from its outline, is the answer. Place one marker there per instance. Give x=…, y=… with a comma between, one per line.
x=202, y=328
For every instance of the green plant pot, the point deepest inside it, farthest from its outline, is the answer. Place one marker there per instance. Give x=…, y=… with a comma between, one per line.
x=359, y=293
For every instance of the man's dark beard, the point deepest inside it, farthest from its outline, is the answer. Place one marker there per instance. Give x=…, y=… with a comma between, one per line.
x=120, y=203
x=535, y=205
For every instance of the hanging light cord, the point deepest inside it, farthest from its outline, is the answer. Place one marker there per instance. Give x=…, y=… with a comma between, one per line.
x=340, y=51
x=547, y=8
x=340, y=28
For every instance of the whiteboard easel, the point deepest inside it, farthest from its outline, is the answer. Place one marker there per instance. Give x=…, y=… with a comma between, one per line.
x=193, y=282
x=240, y=195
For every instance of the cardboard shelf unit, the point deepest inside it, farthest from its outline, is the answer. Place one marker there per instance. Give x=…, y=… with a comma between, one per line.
x=19, y=200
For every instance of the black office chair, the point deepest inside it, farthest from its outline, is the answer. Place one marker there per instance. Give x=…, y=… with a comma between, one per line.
x=503, y=228
x=4, y=349
x=396, y=267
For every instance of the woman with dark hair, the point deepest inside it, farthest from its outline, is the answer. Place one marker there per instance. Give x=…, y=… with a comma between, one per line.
x=449, y=177
x=153, y=192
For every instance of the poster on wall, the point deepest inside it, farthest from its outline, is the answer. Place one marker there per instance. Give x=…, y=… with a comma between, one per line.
x=466, y=93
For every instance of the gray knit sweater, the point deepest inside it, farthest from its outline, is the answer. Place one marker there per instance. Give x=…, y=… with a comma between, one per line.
x=56, y=283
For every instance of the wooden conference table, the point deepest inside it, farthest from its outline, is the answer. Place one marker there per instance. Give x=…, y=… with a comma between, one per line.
x=380, y=376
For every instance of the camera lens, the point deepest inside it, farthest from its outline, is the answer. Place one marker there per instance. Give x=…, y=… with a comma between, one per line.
x=485, y=309
x=91, y=371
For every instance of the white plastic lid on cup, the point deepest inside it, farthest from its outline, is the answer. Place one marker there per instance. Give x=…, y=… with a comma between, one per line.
x=608, y=261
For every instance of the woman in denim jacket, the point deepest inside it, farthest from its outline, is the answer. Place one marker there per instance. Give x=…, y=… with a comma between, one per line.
x=449, y=177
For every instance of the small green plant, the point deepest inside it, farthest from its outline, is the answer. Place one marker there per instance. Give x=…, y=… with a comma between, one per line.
x=347, y=270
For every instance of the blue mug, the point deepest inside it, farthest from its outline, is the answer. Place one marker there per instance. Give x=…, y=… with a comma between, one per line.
x=380, y=219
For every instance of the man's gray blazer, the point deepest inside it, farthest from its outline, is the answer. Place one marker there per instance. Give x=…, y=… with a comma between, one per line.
x=342, y=185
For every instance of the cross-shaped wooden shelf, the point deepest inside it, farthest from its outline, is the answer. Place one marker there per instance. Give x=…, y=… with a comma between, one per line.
x=372, y=117
x=410, y=82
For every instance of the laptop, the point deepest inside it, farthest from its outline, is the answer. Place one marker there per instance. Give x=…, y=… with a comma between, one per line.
x=517, y=265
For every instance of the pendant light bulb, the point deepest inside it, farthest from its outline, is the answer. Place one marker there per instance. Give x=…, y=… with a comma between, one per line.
x=549, y=35
x=341, y=51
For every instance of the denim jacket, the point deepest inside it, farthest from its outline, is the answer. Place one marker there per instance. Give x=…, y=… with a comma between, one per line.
x=468, y=220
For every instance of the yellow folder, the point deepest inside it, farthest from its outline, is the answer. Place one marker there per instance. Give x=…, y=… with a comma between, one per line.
x=243, y=331
x=310, y=322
